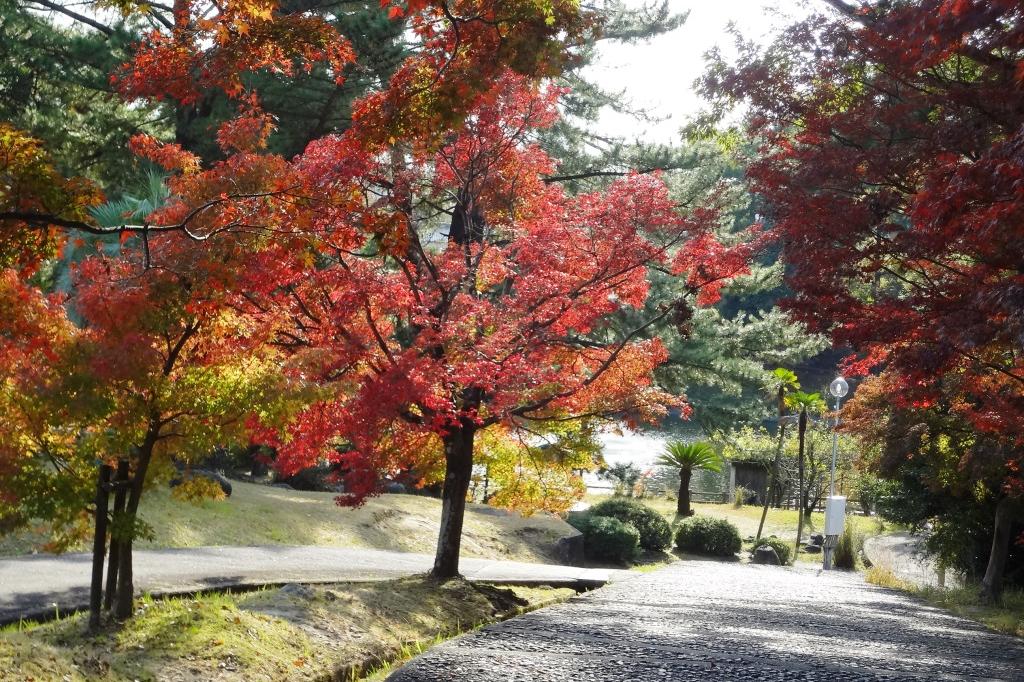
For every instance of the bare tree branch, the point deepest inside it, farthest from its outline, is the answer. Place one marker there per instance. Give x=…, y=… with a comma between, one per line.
x=102, y=28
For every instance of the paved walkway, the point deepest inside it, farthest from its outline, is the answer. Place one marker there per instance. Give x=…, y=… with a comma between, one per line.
x=903, y=554
x=703, y=620
x=34, y=586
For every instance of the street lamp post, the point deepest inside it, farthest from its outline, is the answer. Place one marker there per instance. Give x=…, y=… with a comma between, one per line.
x=838, y=388
x=835, y=507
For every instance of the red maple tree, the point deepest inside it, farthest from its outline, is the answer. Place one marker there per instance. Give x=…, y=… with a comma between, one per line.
x=891, y=156
x=418, y=339
x=481, y=298
x=423, y=279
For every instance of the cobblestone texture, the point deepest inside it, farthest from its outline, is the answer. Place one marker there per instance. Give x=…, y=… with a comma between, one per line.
x=704, y=620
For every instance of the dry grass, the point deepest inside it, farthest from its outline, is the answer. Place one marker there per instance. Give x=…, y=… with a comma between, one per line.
x=262, y=515
x=883, y=577
x=1006, y=617
x=308, y=633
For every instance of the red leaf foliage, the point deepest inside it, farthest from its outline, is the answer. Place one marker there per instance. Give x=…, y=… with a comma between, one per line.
x=892, y=161
x=414, y=279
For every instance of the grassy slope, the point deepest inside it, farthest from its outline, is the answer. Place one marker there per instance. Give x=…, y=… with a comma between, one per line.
x=272, y=634
x=262, y=515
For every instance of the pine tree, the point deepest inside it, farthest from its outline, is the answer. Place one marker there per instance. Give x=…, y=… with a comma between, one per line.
x=588, y=159
x=723, y=355
x=55, y=83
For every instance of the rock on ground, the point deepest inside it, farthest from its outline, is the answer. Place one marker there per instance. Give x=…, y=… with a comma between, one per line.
x=766, y=554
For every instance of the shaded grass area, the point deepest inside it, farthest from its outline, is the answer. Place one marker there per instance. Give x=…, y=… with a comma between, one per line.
x=263, y=515
x=1006, y=617
x=339, y=631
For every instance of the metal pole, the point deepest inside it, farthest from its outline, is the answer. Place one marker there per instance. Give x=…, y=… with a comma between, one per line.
x=835, y=447
x=826, y=559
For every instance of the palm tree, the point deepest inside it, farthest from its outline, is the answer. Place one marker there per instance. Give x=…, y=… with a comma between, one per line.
x=784, y=380
x=688, y=457
x=803, y=402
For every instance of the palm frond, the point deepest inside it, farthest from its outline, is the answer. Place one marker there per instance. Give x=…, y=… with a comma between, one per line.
x=812, y=402
x=696, y=455
x=787, y=378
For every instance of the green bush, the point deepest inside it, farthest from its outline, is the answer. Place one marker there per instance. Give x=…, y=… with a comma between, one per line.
x=655, y=533
x=705, y=535
x=605, y=537
x=781, y=547
x=578, y=519
x=845, y=553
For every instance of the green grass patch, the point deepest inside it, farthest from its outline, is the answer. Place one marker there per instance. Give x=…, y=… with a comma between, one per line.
x=295, y=633
x=264, y=515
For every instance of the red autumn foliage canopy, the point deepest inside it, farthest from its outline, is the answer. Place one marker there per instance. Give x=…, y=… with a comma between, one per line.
x=390, y=292
x=892, y=159
x=482, y=295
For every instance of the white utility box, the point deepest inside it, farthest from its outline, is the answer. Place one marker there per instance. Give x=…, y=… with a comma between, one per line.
x=835, y=515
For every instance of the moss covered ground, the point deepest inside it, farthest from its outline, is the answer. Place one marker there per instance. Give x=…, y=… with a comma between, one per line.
x=341, y=631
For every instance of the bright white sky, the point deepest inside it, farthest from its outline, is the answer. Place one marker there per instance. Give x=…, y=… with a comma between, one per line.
x=658, y=76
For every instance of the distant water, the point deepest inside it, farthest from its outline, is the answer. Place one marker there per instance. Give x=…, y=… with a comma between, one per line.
x=639, y=448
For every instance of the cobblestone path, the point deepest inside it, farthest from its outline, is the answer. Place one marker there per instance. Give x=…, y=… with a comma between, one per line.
x=705, y=620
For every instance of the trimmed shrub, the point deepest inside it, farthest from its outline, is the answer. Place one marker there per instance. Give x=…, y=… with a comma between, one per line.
x=781, y=547
x=655, y=533
x=197, y=489
x=578, y=519
x=605, y=537
x=705, y=535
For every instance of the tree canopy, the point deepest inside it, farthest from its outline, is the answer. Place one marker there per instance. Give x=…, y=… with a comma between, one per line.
x=888, y=155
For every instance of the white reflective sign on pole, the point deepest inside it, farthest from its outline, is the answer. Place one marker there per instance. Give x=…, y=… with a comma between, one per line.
x=835, y=515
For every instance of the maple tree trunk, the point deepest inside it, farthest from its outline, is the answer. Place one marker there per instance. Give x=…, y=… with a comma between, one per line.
x=113, y=563
x=992, y=583
x=99, y=546
x=458, y=455
x=123, y=603
x=683, y=501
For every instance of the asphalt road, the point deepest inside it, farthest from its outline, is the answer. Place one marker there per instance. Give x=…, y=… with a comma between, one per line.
x=706, y=620
x=42, y=584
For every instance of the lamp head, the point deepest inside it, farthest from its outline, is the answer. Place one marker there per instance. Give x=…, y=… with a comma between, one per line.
x=839, y=387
